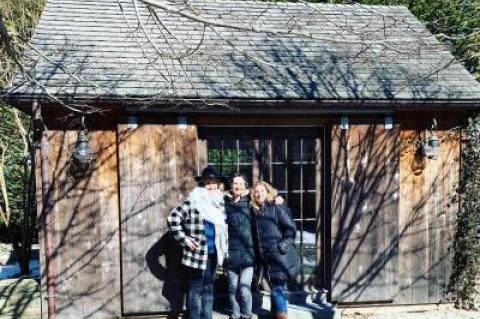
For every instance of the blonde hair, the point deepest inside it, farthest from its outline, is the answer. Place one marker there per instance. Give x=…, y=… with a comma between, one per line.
x=271, y=193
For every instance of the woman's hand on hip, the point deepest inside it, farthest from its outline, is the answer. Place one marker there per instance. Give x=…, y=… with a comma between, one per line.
x=191, y=243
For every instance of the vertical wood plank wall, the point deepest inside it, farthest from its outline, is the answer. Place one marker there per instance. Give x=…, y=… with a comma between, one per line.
x=157, y=165
x=364, y=213
x=429, y=204
x=86, y=232
x=405, y=239
x=423, y=223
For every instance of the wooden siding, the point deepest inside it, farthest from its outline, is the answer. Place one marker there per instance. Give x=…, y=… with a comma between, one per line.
x=157, y=165
x=429, y=204
x=405, y=241
x=423, y=222
x=364, y=213
x=86, y=233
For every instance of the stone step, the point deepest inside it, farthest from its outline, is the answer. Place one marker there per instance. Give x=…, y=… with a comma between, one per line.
x=302, y=305
x=24, y=308
x=19, y=299
x=22, y=316
x=31, y=312
x=25, y=284
x=16, y=295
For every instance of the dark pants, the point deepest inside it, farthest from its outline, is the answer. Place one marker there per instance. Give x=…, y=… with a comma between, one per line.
x=200, y=294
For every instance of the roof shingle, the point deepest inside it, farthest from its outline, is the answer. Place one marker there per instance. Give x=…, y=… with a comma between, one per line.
x=94, y=48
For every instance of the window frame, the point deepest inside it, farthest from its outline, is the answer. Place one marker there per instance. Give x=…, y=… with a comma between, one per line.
x=261, y=161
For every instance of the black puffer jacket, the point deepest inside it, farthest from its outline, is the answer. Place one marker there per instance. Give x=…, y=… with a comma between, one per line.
x=275, y=232
x=240, y=243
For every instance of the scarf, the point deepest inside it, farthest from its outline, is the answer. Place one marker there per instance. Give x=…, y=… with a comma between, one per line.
x=211, y=207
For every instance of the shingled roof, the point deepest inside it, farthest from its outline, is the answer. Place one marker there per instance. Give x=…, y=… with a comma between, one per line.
x=97, y=49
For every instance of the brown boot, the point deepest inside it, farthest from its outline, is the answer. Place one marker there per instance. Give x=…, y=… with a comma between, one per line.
x=280, y=316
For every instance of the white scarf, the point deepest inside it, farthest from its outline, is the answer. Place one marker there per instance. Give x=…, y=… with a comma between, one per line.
x=210, y=205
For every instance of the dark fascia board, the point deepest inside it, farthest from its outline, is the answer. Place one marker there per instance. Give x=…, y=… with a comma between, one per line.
x=246, y=106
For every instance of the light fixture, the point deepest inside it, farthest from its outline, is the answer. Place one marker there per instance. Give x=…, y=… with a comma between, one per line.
x=388, y=122
x=344, y=123
x=82, y=157
x=132, y=122
x=430, y=145
x=182, y=122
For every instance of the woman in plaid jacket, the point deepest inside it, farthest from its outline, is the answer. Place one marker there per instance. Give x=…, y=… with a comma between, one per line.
x=199, y=225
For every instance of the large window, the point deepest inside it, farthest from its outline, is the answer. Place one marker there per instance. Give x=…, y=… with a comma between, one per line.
x=289, y=159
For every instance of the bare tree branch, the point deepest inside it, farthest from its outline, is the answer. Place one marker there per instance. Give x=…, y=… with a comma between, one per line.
x=22, y=131
x=271, y=31
x=5, y=210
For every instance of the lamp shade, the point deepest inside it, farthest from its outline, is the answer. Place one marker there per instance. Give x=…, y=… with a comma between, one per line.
x=82, y=156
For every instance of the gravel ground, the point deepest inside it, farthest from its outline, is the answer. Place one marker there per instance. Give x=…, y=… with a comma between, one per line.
x=418, y=314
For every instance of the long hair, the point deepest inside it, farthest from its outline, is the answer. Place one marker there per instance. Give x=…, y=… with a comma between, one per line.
x=271, y=193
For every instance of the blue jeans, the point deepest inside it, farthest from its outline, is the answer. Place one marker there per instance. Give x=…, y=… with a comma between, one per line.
x=278, y=299
x=200, y=294
x=239, y=285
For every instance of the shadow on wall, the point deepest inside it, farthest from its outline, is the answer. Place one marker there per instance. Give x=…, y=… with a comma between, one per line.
x=392, y=224
x=172, y=273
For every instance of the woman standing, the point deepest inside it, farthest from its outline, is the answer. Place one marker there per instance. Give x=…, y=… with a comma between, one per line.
x=275, y=231
x=199, y=225
x=241, y=254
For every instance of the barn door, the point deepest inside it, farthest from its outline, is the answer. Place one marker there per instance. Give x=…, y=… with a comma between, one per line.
x=364, y=229
x=156, y=167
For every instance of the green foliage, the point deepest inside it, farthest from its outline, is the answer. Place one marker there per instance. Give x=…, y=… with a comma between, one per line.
x=459, y=21
x=20, y=18
x=467, y=243
x=16, y=164
x=226, y=159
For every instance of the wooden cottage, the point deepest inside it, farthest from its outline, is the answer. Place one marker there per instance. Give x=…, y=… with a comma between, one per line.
x=352, y=112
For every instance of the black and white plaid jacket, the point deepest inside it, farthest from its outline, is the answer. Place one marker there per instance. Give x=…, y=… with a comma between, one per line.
x=186, y=221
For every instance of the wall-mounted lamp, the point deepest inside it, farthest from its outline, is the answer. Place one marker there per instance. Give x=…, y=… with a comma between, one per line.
x=388, y=122
x=132, y=122
x=429, y=145
x=344, y=123
x=82, y=157
x=182, y=122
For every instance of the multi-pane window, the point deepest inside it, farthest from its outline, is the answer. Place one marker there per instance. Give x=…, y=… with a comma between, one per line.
x=289, y=159
x=230, y=155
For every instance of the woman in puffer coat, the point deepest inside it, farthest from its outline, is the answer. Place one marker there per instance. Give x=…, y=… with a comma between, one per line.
x=240, y=248
x=275, y=232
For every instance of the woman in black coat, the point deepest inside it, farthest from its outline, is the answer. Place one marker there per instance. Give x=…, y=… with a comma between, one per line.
x=275, y=232
x=240, y=248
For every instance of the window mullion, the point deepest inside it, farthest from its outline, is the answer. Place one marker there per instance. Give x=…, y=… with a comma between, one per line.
x=256, y=164
x=238, y=154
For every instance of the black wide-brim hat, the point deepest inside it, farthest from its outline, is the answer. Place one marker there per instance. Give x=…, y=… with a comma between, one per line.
x=210, y=172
